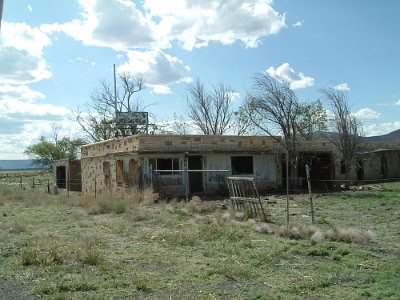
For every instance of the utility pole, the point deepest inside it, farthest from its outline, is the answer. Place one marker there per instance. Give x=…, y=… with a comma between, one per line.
x=1, y=11
x=115, y=92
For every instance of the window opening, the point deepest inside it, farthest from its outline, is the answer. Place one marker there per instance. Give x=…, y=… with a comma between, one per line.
x=242, y=165
x=164, y=164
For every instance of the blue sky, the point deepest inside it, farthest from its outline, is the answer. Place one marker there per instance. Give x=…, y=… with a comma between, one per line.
x=54, y=53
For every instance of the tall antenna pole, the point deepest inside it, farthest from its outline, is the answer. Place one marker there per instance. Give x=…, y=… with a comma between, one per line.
x=1, y=11
x=115, y=93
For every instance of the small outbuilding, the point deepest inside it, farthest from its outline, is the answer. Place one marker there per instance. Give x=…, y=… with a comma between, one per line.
x=67, y=174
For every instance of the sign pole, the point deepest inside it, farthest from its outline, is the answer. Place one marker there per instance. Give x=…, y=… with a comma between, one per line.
x=115, y=92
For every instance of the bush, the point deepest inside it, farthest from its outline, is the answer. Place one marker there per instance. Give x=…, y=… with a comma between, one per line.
x=30, y=256
x=196, y=205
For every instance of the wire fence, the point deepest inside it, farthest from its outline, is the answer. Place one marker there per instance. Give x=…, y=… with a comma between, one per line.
x=39, y=182
x=177, y=182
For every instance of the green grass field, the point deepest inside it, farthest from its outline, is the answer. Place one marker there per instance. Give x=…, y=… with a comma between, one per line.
x=27, y=180
x=79, y=247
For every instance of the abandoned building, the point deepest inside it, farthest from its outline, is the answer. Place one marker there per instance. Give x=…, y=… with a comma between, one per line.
x=67, y=174
x=176, y=164
x=179, y=164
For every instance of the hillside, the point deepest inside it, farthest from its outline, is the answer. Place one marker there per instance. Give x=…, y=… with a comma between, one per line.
x=393, y=136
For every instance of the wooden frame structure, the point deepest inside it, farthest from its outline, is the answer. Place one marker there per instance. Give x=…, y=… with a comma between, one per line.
x=244, y=196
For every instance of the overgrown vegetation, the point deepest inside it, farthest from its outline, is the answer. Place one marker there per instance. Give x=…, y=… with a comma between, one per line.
x=75, y=247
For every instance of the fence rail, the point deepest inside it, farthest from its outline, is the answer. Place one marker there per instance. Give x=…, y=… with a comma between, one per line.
x=26, y=182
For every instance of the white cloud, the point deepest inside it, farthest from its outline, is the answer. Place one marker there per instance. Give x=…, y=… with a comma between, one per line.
x=367, y=114
x=235, y=96
x=342, y=87
x=19, y=92
x=398, y=102
x=287, y=74
x=21, y=54
x=13, y=108
x=298, y=23
x=382, y=128
x=23, y=122
x=30, y=8
x=195, y=23
x=117, y=24
x=122, y=25
x=79, y=59
x=158, y=68
x=160, y=89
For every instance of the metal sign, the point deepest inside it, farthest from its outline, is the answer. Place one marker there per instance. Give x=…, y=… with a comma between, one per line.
x=132, y=118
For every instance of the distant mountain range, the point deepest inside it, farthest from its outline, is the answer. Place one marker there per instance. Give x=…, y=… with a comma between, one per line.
x=20, y=164
x=394, y=136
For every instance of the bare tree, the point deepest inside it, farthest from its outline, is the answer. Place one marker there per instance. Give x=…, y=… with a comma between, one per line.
x=180, y=125
x=242, y=124
x=211, y=112
x=347, y=138
x=273, y=108
x=98, y=120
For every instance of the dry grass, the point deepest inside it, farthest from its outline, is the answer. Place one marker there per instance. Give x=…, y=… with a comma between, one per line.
x=196, y=205
x=52, y=252
x=146, y=196
x=17, y=227
x=143, y=247
x=350, y=235
x=317, y=235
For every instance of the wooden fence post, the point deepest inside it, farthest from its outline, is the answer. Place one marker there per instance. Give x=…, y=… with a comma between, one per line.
x=310, y=194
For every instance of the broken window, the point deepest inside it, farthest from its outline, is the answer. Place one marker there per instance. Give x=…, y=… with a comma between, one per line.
x=242, y=165
x=165, y=165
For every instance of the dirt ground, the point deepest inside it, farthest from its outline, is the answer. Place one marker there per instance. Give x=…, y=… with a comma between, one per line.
x=11, y=290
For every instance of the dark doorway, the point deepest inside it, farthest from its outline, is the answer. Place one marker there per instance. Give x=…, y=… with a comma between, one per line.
x=360, y=170
x=61, y=177
x=384, y=166
x=321, y=169
x=195, y=178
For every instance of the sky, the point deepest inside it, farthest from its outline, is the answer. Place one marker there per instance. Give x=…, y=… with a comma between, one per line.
x=53, y=54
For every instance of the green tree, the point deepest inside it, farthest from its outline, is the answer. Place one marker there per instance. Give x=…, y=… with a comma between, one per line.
x=46, y=152
x=312, y=119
